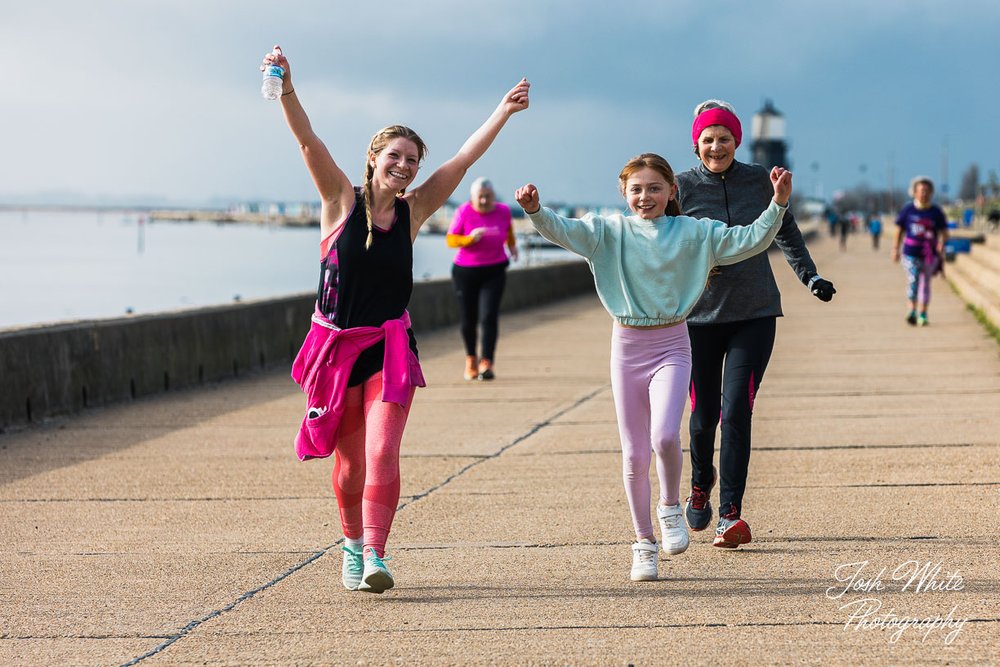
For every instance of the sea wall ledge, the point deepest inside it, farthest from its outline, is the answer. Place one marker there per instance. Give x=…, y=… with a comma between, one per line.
x=55, y=370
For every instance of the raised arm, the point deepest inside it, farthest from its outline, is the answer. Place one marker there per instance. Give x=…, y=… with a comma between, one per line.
x=793, y=247
x=430, y=195
x=781, y=181
x=527, y=198
x=332, y=184
x=734, y=244
x=580, y=236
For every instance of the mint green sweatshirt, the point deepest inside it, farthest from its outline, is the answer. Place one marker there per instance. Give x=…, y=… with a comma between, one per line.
x=652, y=272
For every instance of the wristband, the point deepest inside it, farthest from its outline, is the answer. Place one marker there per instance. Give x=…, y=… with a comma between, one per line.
x=813, y=280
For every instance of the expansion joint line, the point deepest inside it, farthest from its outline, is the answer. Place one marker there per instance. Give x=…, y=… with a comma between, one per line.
x=187, y=629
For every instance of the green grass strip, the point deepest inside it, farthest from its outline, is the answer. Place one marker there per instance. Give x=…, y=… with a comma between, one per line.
x=991, y=328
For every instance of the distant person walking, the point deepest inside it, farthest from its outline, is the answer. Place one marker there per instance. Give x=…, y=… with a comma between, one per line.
x=358, y=364
x=650, y=268
x=921, y=229
x=875, y=229
x=994, y=219
x=481, y=231
x=844, y=226
x=733, y=324
x=831, y=219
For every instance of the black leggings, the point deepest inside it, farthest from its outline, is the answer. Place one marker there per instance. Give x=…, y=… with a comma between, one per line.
x=479, y=289
x=727, y=365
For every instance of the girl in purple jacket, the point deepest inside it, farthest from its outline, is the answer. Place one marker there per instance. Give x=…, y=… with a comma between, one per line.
x=921, y=229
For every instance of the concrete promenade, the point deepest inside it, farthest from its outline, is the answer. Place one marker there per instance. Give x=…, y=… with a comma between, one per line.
x=182, y=530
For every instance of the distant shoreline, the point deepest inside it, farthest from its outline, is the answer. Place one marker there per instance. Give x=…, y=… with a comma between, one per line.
x=308, y=218
x=82, y=208
x=235, y=217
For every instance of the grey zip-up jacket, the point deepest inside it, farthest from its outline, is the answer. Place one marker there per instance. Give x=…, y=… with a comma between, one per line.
x=746, y=290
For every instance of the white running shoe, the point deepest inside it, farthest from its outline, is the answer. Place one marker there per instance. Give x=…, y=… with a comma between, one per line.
x=377, y=578
x=673, y=530
x=353, y=566
x=644, y=560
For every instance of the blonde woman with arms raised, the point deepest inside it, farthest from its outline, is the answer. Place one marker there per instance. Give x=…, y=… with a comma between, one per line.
x=358, y=365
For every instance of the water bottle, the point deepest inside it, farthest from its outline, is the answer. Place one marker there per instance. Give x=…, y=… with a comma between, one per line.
x=273, y=76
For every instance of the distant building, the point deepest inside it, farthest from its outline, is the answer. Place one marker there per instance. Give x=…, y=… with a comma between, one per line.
x=768, y=146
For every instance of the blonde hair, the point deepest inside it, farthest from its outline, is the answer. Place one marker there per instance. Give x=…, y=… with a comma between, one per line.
x=657, y=164
x=376, y=146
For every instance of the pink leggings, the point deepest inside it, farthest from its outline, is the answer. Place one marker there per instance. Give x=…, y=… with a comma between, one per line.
x=366, y=467
x=650, y=372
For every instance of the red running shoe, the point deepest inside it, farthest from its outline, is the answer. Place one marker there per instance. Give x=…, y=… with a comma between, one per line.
x=697, y=508
x=731, y=532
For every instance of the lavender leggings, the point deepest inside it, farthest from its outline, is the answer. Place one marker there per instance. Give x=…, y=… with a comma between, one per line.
x=650, y=372
x=918, y=279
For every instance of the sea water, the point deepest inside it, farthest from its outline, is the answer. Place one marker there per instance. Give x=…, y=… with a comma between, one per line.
x=60, y=265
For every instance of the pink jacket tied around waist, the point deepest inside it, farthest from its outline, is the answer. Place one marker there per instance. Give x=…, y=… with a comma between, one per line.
x=323, y=367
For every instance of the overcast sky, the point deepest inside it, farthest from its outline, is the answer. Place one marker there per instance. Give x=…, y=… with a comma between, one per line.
x=158, y=100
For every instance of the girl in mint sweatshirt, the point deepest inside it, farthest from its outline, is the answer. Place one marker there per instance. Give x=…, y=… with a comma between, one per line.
x=650, y=269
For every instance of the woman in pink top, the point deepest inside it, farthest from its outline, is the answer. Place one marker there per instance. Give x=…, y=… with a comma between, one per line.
x=480, y=230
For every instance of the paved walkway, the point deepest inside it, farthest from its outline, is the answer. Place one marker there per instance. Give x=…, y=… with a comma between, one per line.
x=181, y=530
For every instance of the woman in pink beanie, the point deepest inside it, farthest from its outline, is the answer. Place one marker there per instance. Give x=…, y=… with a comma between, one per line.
x=733, y=324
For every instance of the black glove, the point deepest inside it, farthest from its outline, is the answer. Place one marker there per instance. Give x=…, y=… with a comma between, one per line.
x=823, y=289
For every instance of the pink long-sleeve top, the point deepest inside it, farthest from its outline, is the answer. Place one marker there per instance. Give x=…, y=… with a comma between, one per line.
x=498, y=231
x=323, y=367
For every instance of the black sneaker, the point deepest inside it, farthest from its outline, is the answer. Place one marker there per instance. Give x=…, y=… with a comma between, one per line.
x=911, y=319
x=732, y=531
x=697, y=508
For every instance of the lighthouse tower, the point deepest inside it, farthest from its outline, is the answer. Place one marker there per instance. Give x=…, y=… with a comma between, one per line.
x=768, y=146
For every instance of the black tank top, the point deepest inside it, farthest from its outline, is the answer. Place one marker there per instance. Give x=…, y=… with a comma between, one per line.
x=361, y=287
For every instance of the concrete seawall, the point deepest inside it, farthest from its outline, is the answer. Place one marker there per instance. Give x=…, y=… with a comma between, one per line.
x=54, y=370
x=976, y=277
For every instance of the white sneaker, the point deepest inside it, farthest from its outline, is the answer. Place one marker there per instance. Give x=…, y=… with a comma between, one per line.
x=644, y=560
x=353, y=566
x=673, y=530
x=377, y=578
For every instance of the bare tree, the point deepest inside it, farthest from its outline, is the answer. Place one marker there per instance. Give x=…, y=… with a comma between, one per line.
x=993, y=184
x=970, y=183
